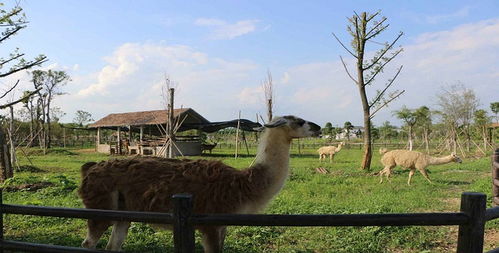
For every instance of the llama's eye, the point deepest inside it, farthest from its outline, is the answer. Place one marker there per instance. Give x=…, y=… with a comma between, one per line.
x=301, y=122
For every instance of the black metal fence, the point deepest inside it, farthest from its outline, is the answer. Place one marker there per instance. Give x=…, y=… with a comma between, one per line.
x=471, y=221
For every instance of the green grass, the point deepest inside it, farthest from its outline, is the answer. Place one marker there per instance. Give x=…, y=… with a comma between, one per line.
x=346, y=190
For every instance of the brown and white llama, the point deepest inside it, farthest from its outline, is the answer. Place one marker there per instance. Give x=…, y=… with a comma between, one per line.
x=411, y=160
x=329, y=150
x=147, y=184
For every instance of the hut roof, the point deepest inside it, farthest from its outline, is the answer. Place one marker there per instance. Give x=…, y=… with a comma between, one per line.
x=493, y=125
x=145, y=118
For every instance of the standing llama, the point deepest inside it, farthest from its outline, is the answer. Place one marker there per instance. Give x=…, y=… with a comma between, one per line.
x=147, y=184
x=412, y=160
x=329, y=150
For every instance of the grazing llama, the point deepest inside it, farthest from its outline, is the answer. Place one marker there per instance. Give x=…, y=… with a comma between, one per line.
x=412, y=160
x=147, y=184
x=329, y=150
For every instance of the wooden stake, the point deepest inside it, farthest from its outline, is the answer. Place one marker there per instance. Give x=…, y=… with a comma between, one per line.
x=237, y=133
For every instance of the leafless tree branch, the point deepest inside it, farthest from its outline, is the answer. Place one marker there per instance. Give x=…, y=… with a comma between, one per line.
x=380, y=95
x=11, y=88
x=346, y=69
x=341, y=43
x=384, y=52
x=386, y=103
x=382, y=67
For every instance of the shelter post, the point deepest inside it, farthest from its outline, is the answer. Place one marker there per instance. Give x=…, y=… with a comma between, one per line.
x=119, y=141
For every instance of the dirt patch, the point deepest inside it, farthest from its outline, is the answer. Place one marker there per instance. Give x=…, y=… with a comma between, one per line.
x=491, y=240
x=28, y=187
x=86, y=150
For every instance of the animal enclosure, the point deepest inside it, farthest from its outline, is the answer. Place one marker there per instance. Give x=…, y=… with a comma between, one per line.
x=471, y=220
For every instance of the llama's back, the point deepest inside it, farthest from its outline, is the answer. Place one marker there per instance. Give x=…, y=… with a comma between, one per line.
x=404, y=158
x=147, y=184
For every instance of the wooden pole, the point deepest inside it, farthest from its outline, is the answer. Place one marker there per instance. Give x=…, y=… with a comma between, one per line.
x=183, y=231
x=97, y=140
x=1, y=219
x=470, y=236
x=170, y=126
x=64, y=137
x=237, y=133
x=495, y=178
x=119, y=142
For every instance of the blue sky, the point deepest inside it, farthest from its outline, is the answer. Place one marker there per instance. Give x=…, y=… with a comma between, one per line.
x=218, y=52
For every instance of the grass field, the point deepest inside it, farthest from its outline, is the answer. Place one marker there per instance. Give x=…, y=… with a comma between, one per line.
x=346, y=190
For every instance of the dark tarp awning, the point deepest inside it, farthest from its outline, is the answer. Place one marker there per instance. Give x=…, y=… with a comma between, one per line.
x=244, y=124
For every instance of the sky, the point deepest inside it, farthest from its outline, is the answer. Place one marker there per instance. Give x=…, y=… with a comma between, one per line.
x=218, y=54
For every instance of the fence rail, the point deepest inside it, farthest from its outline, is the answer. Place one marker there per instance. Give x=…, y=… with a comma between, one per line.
x=471, y=221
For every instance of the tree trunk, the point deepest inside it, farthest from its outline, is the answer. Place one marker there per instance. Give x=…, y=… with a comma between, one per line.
x=410, y=138
x=5, y=165
x=48, y=135
x=366, y=160
x=426, y=141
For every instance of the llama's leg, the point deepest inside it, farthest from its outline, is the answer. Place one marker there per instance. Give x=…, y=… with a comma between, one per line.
x=213, y=239
x=331, y=157
x=385, y=171
x=120, y=230
x=95, y=230
x=411, y=173
x=425, y=175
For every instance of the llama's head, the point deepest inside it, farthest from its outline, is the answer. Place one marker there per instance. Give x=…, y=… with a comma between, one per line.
x=294, y=127
x=456, y=158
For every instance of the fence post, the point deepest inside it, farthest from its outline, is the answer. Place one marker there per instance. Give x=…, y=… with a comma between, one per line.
x=495, y=178
x=470, y=237
x=1, y=220
x=183, y=231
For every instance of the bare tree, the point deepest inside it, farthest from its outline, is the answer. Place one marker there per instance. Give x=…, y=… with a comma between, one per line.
x=268, y=89
x=48, y=84
x=365, y=28
x=11, y=22
x=457, y=106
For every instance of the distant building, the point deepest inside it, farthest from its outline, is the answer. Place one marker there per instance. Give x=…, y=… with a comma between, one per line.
x=355, y=133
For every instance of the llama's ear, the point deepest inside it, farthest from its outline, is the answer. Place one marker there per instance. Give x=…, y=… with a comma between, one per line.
x=276, y=123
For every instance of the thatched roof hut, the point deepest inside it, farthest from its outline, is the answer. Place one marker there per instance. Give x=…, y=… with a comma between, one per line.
x=151, y=123
x=148, y=118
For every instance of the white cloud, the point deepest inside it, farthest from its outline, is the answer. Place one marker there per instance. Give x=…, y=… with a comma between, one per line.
x=435, y=19
x=466, y=53
x=223, y=30
x=134, y=73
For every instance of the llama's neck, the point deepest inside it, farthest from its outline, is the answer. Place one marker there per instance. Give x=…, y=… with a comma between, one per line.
x=273, y=159
x=339, y=148
x=440, y=160
x=273, y=151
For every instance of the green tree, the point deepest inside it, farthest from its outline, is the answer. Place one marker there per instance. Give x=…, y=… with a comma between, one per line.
x=387, y=131
x=364, y=28
x=48, y=84
x=494, y=107
x=409, y=118
x=423, y=121
x=481, y=120
x=347, y=126
x=82, y=117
